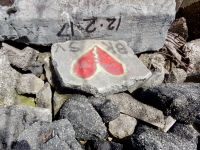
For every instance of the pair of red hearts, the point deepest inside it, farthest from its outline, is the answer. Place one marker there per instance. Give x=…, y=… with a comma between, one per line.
x=86, y=66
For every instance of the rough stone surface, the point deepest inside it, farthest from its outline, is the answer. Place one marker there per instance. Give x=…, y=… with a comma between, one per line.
x=169, y=122
x=103, y=145
x=181, y=101
x=179, y=26
x=15, y=119
x=97, y=66
x=8, y=81
x=107, y=109
x=20, y=58
x=143, y=25
x=146, y=138
x=191, y=51
x=178, y=4
x=177, y=75
x=58, y=101
x=190, y=11
x=29, y=84
x=44, y=96
x=58, y=135
x=48, y=67
x=86, y=121
x=36, y=67
x=130, y=106
x=123, y=126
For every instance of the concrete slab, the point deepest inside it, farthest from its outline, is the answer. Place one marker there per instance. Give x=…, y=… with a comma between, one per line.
x=99, y=67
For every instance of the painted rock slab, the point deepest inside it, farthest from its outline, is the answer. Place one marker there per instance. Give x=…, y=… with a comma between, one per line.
x=142, y=24
x=97, y=66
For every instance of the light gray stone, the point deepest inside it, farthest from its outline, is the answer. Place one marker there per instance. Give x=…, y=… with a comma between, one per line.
x=36, y=67
x=123, y=126
x=20, y=58
x=48, y=72
x=8, y=81
x=57, y=135
x=97, y=66
x=58, y=101
x=169, y=122
x=191, y=51
x=130, y=106
x=177, y=75
x=143, y=25
x=29, y=84
x=44, y=97
x=15, y=119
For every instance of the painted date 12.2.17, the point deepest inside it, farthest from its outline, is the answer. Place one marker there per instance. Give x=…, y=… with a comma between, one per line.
x=112, y=24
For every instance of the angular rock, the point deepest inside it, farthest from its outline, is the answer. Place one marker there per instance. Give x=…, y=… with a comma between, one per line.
x=15, y=119
x=86, y=121
x=8, y=81
x=178, y=4
x=48, y=67
x=191, y=51
x=181, y=101
x=143, y=25
x=58, y=135
x=97, y=66
x=29, y=84
x=190, y=11
x=179, y=26
x=58, y=101
x=151, y=139
x=130, y=106
x=169, y=122
x=177, y=75
x=36, y=67
x=107, y=109
x=44, y=97
x=104, y=145
x=123, y=126
x=20, y=58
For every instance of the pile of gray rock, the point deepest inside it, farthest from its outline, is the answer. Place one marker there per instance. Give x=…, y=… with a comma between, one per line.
x=119, y=82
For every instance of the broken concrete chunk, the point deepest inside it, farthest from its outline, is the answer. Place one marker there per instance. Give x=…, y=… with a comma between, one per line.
x=123, y=126
x=130, y=106
x=15, y=119
x=20, y=58
x=44, y=96
x=97, y=66
x=143, y=25
x=29, y=84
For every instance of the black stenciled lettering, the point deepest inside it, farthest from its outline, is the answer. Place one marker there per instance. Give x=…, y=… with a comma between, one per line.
x=58, y=46
x=121, y=48
x=92, y=21
x=73, y=47
x=118, y=24
x=62, y=29
x=72, y=28
x=109, y=47
x=111, y=20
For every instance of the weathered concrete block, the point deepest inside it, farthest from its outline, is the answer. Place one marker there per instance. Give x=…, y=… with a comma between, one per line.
x=97, y=66
x=143, y=25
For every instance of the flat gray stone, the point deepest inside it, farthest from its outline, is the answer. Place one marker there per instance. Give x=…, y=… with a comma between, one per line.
x=97, y=66
x=15, y=119
x=130, y=106
x=143, y=25
x=20, y=58
x=29, y=84
x=8, y=81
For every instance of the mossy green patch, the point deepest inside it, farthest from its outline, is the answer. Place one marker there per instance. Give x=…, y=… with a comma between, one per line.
x=26, y=101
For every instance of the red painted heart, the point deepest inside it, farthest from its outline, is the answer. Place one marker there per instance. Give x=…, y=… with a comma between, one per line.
x=85, y=66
